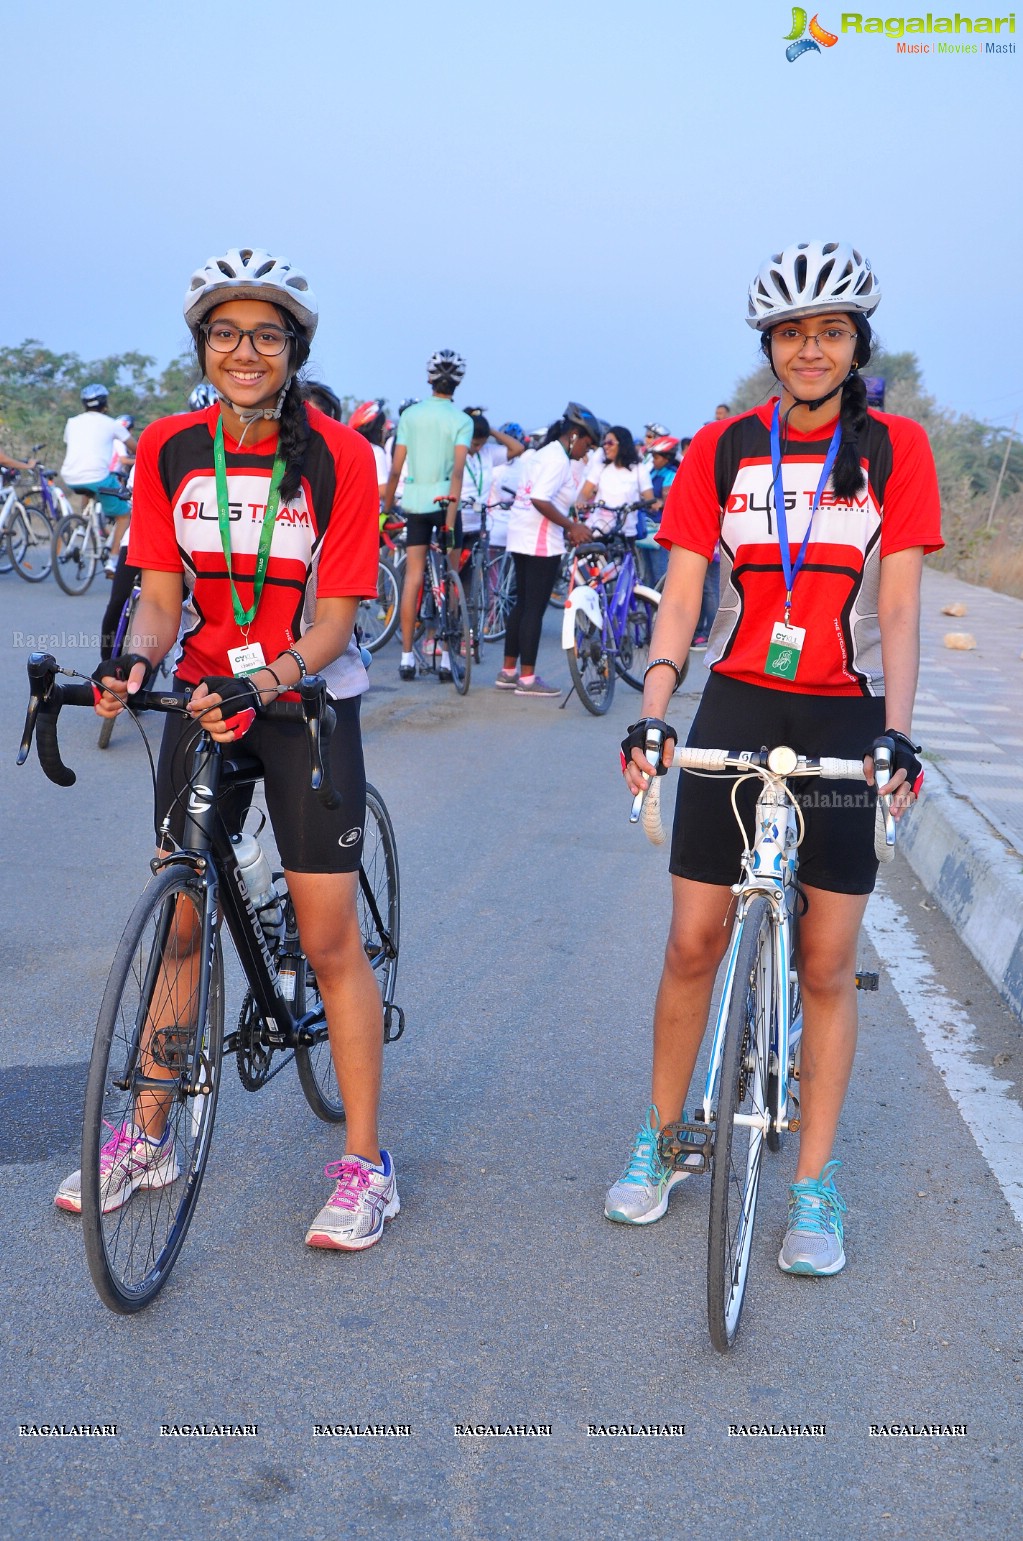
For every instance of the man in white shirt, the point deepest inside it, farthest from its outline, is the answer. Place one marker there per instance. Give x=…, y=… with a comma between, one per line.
x=90, y=438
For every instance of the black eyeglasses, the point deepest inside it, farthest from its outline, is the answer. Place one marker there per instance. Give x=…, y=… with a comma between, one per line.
x=224, y=337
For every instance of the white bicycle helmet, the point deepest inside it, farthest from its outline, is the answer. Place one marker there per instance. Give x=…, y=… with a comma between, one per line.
x=203, y=395
x=249, y=273
x=445, y=364
x=809, y=278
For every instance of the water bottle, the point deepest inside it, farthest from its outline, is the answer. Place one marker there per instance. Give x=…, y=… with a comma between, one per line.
x=259, y=881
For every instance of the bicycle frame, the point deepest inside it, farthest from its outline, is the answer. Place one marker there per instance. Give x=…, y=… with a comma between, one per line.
x=770, y=869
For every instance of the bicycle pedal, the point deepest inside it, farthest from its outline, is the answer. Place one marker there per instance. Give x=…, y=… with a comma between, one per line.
x=867, y=981
x=678, y=1143
x=391, y=1035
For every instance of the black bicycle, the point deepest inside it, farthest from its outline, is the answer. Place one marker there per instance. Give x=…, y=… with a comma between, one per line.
x=160, y=1040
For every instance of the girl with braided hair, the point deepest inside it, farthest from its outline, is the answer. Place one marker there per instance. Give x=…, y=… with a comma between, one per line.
x=824, y=510
x=264, y=511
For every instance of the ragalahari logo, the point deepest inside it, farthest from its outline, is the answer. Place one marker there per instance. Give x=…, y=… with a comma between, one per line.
x=799, y=44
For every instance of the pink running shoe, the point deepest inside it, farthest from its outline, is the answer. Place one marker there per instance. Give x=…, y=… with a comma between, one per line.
x=365, y=1196
x=127, y=1161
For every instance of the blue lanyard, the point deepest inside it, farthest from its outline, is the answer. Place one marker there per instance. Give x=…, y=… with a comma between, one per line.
x=789, y=568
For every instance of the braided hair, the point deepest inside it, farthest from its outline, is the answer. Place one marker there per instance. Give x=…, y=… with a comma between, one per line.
x=847, y=477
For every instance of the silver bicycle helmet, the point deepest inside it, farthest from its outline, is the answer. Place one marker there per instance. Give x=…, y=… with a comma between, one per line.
x=95, y=397
x=445, y=364
x=809, y=278
x=249, y=273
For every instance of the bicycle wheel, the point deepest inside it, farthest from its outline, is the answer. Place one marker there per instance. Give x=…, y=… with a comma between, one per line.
x=741, y=1122
x=474, y=584
x=500, y=590
x=75, y=554
x=377, y=618
x=28, y=542
x=457, y=635
x=380, y=874
x=148, y=1037
x=634, y=654
x=590, y=666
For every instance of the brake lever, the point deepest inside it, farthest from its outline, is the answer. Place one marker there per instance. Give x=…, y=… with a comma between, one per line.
x=320, y=725
x=652, y=749
x=882, y=776
x=42, y=674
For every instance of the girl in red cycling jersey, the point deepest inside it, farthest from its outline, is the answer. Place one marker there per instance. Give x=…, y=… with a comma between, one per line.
x=824, y=511
x=262, y=511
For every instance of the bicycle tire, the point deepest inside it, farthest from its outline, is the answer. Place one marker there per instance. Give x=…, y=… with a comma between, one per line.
x=458, y=636
x=380, y=864
x=634, y=654
x=500, y=587
x=476, y=607
x=75, y=554
x=377, y=618
x=132, y=1249
x=589, y=664
x=739, y=1148
x=29, y=537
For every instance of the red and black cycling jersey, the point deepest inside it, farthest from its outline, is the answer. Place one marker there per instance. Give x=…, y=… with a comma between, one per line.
x=325, y=540
x=724, y=491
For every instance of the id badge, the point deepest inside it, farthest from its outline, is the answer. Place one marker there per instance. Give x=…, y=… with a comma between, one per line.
x=784, y=650
x=246, y=659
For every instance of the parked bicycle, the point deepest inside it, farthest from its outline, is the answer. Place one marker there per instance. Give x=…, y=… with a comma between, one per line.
x=749, y=1097
x=160, y=1039
x=24, y=533
x=81, y=542
x=609, y=617
x=442, y=620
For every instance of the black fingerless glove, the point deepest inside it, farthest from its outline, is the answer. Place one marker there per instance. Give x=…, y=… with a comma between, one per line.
x=904, y=757
x=637, y=740
x=238, y=695
x=120, y=667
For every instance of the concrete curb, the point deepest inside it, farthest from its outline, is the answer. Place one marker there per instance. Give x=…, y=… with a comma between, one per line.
x=974, y=875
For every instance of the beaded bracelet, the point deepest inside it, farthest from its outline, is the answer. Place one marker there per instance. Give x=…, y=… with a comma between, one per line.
x=671, y=665
x=297, y=656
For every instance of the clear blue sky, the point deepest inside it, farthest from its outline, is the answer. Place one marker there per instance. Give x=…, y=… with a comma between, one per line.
x=573, y=196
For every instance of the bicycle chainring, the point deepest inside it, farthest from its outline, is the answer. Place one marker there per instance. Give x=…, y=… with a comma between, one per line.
x=252, y=1054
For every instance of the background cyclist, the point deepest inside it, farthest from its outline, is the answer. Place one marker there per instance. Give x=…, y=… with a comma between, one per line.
x=862, y=495
x=287, y=482
x=538, y=522
x=433, y=438
x=90, y=438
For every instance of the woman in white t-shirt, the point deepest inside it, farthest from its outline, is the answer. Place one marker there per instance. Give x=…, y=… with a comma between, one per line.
x=538, y=523
x=620, y=479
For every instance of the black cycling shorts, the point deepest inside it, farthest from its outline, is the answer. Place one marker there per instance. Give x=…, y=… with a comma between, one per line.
x=310, y=837
x=837, y=852
x=419, y=528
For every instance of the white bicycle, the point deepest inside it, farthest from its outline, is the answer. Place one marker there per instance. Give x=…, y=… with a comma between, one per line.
x=749, y=1097
x=24, y=534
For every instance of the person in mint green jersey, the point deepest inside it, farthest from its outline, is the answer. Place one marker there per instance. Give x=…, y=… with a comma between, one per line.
x=431, y=445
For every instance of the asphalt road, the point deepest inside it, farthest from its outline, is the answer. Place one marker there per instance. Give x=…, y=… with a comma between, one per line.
x=532, y=926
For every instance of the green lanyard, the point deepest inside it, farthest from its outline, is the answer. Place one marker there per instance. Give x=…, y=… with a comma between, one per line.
x=242, y=616
x=472, y=474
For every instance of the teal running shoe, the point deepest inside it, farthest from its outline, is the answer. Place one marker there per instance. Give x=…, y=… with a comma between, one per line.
x=813, y=1241
x=640, y=1196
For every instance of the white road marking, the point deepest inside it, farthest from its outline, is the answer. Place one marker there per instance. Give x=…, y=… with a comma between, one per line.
x=986, y=1102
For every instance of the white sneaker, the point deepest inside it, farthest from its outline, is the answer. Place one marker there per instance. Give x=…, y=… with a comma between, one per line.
x=364, y=1197
x=127, y=1161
